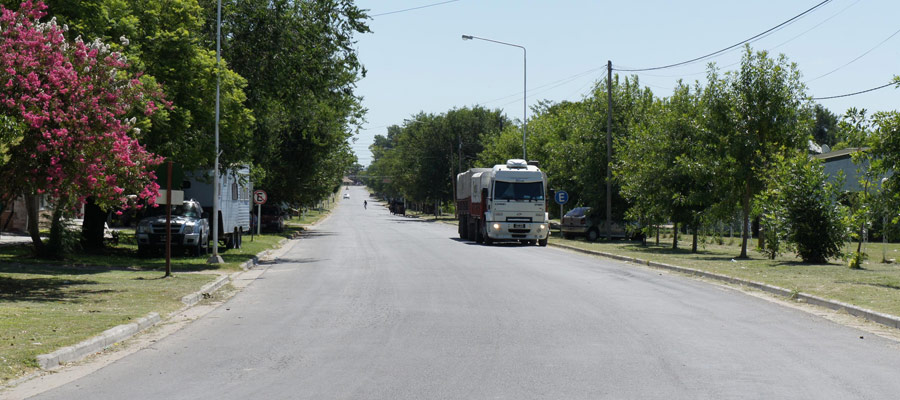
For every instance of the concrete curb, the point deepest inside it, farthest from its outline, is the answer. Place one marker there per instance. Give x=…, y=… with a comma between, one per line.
x=96, y=343
x=206, y=290
x=874, y=316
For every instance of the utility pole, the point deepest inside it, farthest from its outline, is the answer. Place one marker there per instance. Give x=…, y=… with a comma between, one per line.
x=608, y=150
x=215, y=258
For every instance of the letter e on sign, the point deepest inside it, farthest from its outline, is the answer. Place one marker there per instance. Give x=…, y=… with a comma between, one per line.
x=259, y=197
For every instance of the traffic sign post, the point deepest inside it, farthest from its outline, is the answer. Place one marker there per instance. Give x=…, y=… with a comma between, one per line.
x=561, y=197
x=259, y=198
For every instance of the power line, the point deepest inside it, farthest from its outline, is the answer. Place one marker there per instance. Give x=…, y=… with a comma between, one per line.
x=413, y=8
x=856, y=93
x=779, y=26
x=756, y=37
x=857, y=58
x=769, y=49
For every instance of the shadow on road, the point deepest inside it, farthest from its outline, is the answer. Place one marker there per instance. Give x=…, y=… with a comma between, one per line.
x=299, y=260
x=317, y=234
x=496, y=244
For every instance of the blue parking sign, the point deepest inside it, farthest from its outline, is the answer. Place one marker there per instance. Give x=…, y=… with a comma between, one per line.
x=561, y=197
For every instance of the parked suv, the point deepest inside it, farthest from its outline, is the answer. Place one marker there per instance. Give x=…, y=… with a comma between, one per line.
x=189, y=227
x=580, y=221
x=272, y=218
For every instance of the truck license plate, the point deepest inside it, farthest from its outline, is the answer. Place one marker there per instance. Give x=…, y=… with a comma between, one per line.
x=518, y=226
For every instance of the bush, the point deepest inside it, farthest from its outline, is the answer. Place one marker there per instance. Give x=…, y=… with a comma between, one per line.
x=803, y=211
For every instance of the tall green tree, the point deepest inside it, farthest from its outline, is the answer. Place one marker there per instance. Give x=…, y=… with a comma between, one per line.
x=825, y=128
x=665, y=166
x=569, y=139
x=301, y=66
x=758, y=112
x=164, y=40
x=420, y=159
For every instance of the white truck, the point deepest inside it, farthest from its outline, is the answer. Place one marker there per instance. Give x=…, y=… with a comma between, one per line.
x=234, y=201
x=504, y=203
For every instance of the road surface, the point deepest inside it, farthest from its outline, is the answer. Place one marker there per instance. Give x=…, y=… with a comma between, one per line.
x=374, y=306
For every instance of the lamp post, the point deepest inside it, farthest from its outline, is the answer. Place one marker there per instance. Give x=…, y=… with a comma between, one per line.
x=524, y=87
x=215, y=258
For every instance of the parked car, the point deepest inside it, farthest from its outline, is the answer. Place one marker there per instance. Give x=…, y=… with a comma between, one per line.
x=189, y=227
x=346, y=195
x=272, y=218
x=580, y=221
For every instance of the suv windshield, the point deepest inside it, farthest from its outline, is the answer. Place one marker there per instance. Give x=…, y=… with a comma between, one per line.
x=190, y=210
x=519, y=191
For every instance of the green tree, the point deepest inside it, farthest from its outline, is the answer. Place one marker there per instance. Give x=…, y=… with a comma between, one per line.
x=665, y=165
x=301, y=66
x=758, y=112
x=825, y=129
x=569, y=139
x=421, y=158
x=801, y=211
x=163, y=39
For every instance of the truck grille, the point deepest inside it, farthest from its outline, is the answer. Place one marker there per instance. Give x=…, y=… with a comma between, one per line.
x=519, y=230
x=518, y=219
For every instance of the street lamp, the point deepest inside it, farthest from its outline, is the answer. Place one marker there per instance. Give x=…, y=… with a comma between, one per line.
x=524, y=86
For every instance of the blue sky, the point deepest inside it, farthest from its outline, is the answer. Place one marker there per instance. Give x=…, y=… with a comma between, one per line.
x=417, y=61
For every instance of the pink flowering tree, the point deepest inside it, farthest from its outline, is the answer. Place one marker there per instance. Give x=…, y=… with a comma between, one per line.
x=69, y=111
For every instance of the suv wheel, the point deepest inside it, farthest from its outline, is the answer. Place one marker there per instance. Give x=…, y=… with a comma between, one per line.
x=593, y=234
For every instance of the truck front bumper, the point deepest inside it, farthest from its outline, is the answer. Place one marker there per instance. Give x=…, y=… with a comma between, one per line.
x=518, y=230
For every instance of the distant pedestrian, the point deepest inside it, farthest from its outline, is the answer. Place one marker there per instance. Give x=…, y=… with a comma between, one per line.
x=365, y=204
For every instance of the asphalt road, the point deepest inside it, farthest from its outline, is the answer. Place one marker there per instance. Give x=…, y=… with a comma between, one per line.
x=372, y=306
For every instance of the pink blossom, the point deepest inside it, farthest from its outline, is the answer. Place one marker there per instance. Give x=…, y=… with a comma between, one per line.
x=71, y=102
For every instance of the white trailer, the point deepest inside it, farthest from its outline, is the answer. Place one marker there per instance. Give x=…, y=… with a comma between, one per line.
x=234, y=201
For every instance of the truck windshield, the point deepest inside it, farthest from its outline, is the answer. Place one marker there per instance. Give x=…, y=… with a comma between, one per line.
x=530, y=191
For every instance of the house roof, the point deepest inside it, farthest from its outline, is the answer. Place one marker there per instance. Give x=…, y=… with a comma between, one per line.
x=839, y=153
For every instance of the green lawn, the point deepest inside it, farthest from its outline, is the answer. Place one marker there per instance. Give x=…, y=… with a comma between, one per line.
x=43, y=308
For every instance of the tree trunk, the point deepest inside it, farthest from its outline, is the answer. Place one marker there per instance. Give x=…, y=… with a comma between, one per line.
x=862, y=225
x=34, y=228
x=761, y=238
x=657, y=235
x=745, y=229
x=694, y=242
x=675, y=236
x=54, y=248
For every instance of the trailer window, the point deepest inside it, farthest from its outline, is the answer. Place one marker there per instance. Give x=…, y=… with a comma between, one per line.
x=530, y=191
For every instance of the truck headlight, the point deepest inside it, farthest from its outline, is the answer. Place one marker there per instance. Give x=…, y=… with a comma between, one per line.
x=543, y=226
x=188, y=229
x=496, y=227
x=143, y=228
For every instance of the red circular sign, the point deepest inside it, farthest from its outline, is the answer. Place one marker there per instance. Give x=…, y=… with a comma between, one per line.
x=259, y=196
